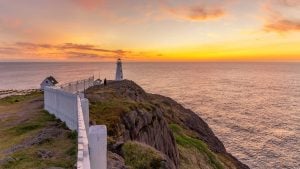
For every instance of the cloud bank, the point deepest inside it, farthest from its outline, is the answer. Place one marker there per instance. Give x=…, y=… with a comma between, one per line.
x=277, y=18
x=198, y=13
x=282, y=26
x=71, y=51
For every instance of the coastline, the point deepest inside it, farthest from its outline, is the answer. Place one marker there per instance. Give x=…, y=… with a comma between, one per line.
x=133, y=116
x=10, y=92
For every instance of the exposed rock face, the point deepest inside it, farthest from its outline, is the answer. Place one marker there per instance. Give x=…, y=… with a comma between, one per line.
x=146, y=126
x=146, y=120
x=180, y=115
x=151, y=128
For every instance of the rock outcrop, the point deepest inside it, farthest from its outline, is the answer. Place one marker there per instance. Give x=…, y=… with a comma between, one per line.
x=131, y=114
x=185, y=117
x=151, y=128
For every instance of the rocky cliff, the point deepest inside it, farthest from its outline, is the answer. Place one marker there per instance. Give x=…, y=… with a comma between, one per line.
x=153, y=131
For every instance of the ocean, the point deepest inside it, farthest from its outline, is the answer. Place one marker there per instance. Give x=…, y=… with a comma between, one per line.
x=254, y=108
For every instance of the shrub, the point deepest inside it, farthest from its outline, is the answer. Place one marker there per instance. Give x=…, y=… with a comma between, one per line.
x=141, y=156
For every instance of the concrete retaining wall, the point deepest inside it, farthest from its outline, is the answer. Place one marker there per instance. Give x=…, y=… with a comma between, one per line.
x=83, y=158
x=62, y=104
x=73, y=109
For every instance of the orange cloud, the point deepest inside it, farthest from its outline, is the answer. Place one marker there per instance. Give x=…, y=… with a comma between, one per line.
x=197, y=10
x=198, y=13
x=143, y=11
x=86, y=55
x=276, y=20
x=290, y=3
x=8, y=50
x=27, y=45
x=92, y=48
x=71, y=51
x=282, y=26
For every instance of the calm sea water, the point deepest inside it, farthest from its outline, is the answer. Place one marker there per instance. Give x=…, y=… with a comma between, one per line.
x=254, y=108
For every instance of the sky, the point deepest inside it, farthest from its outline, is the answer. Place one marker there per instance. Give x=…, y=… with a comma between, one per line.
x=150, y=30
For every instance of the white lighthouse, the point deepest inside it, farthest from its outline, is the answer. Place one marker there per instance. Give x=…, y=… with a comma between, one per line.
x=119, y=72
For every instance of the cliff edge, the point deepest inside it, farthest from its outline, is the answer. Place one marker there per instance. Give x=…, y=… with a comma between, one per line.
x=153, y=131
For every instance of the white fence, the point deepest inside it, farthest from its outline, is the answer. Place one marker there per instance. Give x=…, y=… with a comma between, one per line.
x=78, y=86
x=73, y=109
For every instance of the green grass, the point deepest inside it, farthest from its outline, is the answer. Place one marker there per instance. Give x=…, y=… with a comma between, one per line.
x=141, y=156
x=23, y=128
x=18, y=98
x=35, y=123
x=64, y=147
x=109, y=113
x=72, y=151
x=72, y=135
x=28, y=158
x=188, y=142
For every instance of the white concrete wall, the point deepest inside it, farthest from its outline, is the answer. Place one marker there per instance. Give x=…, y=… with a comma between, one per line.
x=83, y=155
x=73, y=109
x=85, y=111
x=98, y=145
x=62, y=104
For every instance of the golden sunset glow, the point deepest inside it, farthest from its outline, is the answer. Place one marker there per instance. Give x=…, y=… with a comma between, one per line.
x=159, y=30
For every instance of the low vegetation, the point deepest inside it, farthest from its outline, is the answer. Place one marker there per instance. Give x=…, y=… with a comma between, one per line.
x=112, y=104
x=187, y=146
x=18, y=98
x=141, y=156
x=108, y=112
x=31, y=137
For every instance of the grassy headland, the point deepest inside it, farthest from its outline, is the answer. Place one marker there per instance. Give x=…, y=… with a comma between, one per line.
x=31, y=137
x=152, y=131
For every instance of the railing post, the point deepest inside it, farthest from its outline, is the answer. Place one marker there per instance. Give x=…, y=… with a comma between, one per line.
x=98, y=146
x=84, y=86
x=76, y=86
x=69, y=89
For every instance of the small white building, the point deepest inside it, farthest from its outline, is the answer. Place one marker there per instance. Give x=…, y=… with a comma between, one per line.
x=49, y=81
x=119, y=71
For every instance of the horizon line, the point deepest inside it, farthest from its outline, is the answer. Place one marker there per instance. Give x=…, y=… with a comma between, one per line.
x=254, y=61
